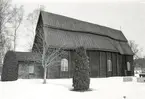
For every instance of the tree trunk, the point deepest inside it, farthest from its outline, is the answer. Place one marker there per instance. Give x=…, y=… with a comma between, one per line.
x=15, y=40
x=45, y=71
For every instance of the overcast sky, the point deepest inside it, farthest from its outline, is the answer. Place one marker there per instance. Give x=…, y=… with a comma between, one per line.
x=125, y=15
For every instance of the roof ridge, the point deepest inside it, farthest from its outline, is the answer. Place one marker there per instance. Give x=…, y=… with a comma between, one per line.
x=81, y=20
x=65, y=22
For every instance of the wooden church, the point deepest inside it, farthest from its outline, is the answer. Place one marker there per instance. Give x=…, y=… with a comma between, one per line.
x=108, y=50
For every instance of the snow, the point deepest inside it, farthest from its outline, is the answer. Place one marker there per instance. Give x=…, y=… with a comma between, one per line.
x=102, y=88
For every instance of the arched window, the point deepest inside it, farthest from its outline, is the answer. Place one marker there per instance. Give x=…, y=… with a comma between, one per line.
x=128, y=66
x=64, y=64
x=109, y=64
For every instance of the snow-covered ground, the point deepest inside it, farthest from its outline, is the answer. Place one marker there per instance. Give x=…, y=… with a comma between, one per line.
x=102, y=88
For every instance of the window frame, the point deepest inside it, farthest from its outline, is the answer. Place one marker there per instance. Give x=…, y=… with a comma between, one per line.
x=64, y=65
x=128, y=66
x=109, y=65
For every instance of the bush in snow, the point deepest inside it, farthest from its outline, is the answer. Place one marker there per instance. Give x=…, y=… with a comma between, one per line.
x=81, y=78
x=10, y=67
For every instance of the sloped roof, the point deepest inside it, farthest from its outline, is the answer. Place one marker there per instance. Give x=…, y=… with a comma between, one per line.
x=71, y=40
x=71, y=33
x=63, y=22
x=27, y=56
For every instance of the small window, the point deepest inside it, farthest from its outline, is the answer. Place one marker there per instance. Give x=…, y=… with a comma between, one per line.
x=109, y=64
x=128, y=66
x=64, y=65
x=31, y=69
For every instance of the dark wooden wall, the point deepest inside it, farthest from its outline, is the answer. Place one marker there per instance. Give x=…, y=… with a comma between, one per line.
x=103, y=64
x=23, y=71
x=98, y=65
x=114, y=64
x=129, y=59
x=119, y=63
x=94, y=63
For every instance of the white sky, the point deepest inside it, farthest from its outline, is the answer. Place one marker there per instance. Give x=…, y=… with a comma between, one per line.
x=127, y=15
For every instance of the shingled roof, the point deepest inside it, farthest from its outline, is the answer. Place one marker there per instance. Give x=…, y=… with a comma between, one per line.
x=61, y=30
x=66, y=23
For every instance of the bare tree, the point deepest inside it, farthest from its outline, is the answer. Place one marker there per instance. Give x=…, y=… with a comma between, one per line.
x=16, y=21
x=135, y=48
x=49, y=54
x=31, y=22
x=8, y=15
x=5, y=14
x=5, y=17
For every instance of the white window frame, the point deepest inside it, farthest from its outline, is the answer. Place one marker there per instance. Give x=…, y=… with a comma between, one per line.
x=109, y=65
x=64, y=64
x=128, y=66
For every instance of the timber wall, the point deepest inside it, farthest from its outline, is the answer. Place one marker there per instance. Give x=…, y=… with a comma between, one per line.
x=98, y=66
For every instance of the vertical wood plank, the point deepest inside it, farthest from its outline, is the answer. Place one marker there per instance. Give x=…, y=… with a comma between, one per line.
x=103, y=64
x=117, y=64
x=114, y=64
x=94, y=63
x=123, y=65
